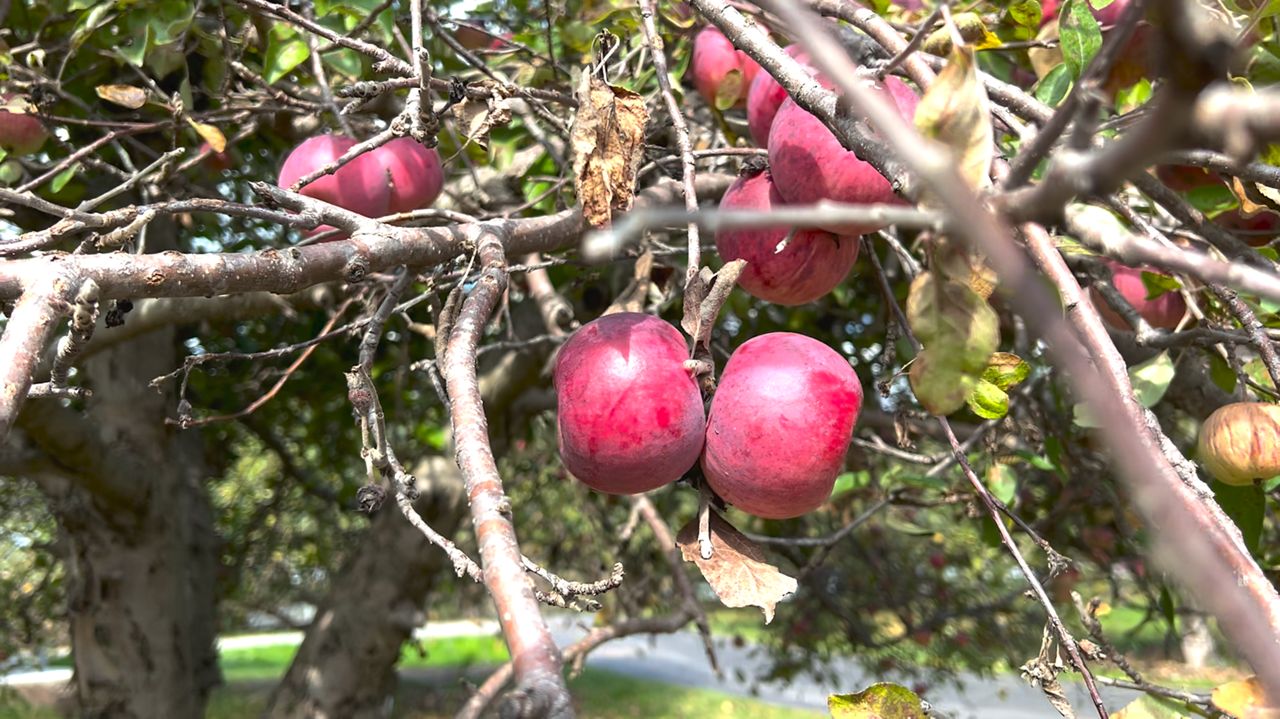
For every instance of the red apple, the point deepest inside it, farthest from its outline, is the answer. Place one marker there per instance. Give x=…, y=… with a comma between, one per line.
x=812, y=263
x=415, y=173
x=809, y=164
x=1109, y=15
x=21, y=133
x=630, y=415
x=765, y=96
x=1258, y=229
x=361, y=185
x=780, y=425
x=714, y=58
x=1164, y=311
x=216, y=161
x=1184, y=178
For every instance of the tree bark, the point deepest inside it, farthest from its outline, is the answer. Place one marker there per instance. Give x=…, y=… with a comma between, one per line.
x=346, y=664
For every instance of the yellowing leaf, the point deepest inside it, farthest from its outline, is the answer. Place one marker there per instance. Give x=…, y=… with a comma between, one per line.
x=1243, y=699
x=972, y=30
x=123, y=95
x=608, y=148
x=1151, y=707
x=730, y=90
x=956, y=111
x=211, y=135
x=737, y=570
x=878, y=701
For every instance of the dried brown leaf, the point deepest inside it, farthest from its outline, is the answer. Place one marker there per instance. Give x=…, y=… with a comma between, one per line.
x=737, y=570
x=123, y=95
x=632, y=298
x=608, y=147
x=477, y=118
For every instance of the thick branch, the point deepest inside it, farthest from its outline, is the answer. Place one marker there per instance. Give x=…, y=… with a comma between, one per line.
x=30, y=327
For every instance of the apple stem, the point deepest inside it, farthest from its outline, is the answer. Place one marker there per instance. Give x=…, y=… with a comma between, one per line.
x=704, y=521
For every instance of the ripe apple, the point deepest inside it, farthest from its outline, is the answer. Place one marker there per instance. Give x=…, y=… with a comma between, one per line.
x=414, y=171
x=809, y=164
x=216, y=161
x=21, y=133
x=1184, y=178
x=812, y=263
x=1258, y=229
x=1164, y=311
x=360, y=185
x=1109, y=15
x=714, y=58
x=630, y=416
x=765, y=96
x=780, y=425
x=1240, y=443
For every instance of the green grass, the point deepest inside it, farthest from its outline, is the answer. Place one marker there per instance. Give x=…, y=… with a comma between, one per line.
x=270, y=662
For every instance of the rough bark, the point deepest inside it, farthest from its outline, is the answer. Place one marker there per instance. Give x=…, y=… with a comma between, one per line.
x=345, y=666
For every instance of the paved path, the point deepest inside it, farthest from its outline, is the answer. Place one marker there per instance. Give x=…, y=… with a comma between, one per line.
x=679, y=659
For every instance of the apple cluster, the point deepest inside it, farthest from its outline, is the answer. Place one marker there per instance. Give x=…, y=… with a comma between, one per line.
x=631, y=415
x=400, y=176
x=807, y=164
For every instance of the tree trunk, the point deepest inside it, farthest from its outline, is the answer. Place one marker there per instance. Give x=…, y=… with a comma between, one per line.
x=345, y=666
x=141, y=550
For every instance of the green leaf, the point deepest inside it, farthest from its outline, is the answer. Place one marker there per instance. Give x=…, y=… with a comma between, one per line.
x=953, y=319
x=1005, y=370
x=1134, y=96
x=1246, y=506
x=1079, y=35
x=988, y=401
x=1252, y=10
x=1213, y=199
x=1167, y=608
x=1222, y=374
x=61, y=179
x=1053, y=88
x=1026, y=13
x=10, y=173
x=89, y=21
x=169, y=20
x=878, y=701
x=1157, y=284
x=1150, y=381
x=134, y=50
x=730, y=90
x=1002, y=482
x=939, y=385
x=285, y=51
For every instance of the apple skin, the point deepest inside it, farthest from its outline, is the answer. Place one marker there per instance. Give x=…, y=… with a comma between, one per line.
x=714, y=57
x=20, y=133
x=216, y=161
x=1257, y=230
x=811, y=265
x=1184, y=178
x=1109, y=15
x=630, y=415
x=361, y=185
x=415, y=173
x=809, y=164
x=1240, y=442
x=1164, y=311
x=765, y=96
x=780, y=425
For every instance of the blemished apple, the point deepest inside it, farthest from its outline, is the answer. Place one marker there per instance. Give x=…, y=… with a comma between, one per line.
x=361, y=185
x=1240, y=443
x=415, y=173
x=21, y=133
x=811, y=264
x=780, y=425
x=714, y=58
x=765, y=96
x=630, y=415
x=809, y=164
x=1165, y=311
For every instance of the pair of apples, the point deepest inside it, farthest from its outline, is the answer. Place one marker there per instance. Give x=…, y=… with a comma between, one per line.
x=807, y=164
x=631, y=416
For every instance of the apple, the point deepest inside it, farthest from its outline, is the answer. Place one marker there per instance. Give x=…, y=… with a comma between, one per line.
x=414, y=172
x=714, y=59
x=1240, y=443
x=21, y=133
x=1165, y=311
x=360, y=186
x=1109, y=15
x=765, y=96
x=1184, y=178
x=812, y=263
x=216, y=161
x=1258, y=229
x=780, y=425
x=809, y=164
x=630, y=415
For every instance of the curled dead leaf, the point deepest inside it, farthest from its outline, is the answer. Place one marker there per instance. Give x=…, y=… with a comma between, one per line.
x=477, y=118
x=737, y=570
x=210, y=134
x=608, y=147
x=123, y=95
